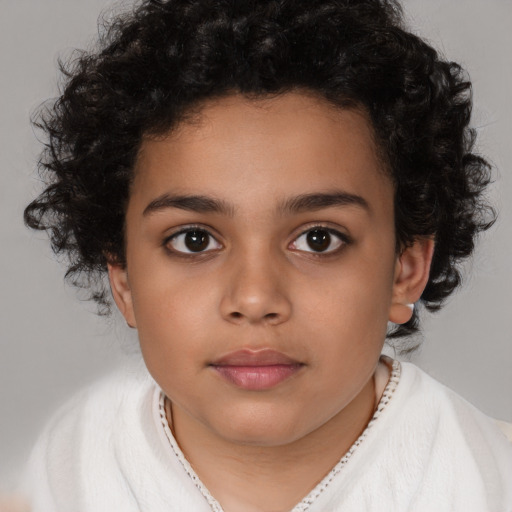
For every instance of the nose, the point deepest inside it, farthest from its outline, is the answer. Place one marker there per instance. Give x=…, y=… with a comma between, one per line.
x=256, y=291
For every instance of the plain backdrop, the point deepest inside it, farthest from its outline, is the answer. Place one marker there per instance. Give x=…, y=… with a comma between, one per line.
x=52, y=344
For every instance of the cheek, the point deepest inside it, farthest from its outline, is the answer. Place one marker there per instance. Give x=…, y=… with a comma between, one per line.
x=347, y=314
x=163, y=291
x=352, y=294
x=169, y=309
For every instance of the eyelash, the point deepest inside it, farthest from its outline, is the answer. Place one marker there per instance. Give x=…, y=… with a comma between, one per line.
x=188, y=229
x=342, y=238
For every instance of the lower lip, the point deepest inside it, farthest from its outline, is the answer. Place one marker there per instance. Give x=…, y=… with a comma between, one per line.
x=257, y=378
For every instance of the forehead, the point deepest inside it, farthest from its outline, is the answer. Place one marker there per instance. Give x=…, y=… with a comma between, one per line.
x=253, y=149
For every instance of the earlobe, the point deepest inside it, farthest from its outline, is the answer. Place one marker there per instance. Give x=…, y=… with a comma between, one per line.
x=400, y=313
x=412, y=270
x=120, y=286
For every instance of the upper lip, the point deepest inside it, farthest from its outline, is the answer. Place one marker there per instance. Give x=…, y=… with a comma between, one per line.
x=248, y=357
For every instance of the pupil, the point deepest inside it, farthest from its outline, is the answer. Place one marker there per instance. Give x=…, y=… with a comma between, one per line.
x=196, y=241
x=319, y=239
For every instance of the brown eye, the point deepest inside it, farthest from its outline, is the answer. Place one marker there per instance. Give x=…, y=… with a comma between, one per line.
x=193, y=241
x=319, y=240
x=196, y=241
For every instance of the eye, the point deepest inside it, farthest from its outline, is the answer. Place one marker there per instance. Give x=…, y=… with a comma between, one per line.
x=192, y=240
x=319, y=240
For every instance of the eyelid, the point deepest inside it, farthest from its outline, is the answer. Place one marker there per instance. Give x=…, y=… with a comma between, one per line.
x=344, y=238
x=186, y=229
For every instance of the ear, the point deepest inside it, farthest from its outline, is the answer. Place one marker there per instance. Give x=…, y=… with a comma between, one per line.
x=121, y=292
x=411, y=276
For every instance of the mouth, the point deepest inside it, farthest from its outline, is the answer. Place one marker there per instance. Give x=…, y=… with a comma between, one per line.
x=256, y=370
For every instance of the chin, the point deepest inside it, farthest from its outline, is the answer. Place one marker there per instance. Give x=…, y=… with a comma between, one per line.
x=261, y=430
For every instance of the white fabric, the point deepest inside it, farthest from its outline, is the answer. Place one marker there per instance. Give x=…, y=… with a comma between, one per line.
x=506, y=428
x=429, y=450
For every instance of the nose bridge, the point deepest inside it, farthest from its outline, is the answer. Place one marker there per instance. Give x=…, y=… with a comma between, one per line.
x=255, y=286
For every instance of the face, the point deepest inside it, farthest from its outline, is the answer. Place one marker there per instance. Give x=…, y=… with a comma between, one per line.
x=261, y=266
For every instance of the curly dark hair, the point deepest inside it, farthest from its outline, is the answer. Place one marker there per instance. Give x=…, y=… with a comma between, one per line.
x=157, y=62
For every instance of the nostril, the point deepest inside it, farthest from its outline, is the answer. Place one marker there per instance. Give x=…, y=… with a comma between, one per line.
x=271, y=316
x=236, y=314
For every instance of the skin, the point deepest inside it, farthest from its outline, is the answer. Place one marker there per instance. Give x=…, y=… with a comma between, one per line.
x=259, y=285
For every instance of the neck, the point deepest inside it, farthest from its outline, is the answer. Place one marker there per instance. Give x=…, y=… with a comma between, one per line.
x=235, y=474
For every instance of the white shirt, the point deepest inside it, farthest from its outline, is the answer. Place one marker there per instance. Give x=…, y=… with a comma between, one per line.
x=427, y=449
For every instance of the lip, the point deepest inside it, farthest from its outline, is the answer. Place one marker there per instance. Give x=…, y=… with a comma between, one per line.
x=256, y=370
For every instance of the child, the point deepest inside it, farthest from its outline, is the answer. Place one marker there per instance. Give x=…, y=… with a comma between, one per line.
x=267, y=184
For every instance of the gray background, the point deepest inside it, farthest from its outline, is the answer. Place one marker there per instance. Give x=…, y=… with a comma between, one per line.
x=51, y=343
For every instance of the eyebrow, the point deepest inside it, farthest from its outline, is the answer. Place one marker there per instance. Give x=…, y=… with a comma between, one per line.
x=193, y=203
x=298, y=204
x=318, y=201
